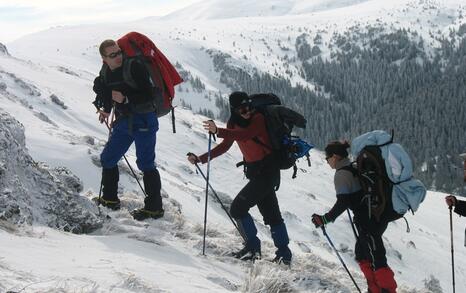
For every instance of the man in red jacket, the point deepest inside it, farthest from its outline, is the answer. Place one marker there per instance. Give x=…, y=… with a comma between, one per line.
x=246, y=126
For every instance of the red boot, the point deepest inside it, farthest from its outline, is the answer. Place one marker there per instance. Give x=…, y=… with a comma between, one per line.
x=385, y=279
x=366, y=269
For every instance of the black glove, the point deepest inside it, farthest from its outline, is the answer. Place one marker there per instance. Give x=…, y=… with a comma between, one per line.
x=192, y=158
x=319, y=220
x=451, y=201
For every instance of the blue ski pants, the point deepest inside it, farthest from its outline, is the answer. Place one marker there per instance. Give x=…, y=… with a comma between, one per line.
x=141, y=129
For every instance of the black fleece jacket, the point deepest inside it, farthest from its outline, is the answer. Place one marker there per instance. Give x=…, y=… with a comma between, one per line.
x=114, y=81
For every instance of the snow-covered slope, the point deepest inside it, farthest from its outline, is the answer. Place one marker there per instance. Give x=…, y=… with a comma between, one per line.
x=164, y=256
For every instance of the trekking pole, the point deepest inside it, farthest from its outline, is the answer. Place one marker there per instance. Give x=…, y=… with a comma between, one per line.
x=221, y=203
x=452, y=250
x=109, y=134
x=173, y=120
x=100, y=195
x=112, y=119
x=207, y=190
x=135, y=176
x=352, y=225
x=341, y=260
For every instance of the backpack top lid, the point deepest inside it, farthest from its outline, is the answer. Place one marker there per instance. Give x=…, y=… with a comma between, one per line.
x=398, y=164
x=280, y=119
x=376, y=137
x=137, y=44
x=407, y=192
x=262, y=100
x=270, y=105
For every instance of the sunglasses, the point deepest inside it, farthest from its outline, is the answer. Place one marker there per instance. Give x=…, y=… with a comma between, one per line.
x=243, y=109
x=115, y=54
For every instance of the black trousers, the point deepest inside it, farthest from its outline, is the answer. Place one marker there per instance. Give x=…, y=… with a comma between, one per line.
x=152, y=186
x=260, y=191
x=369, y=245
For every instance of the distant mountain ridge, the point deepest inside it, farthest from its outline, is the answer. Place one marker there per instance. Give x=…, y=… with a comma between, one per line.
x=216, y=9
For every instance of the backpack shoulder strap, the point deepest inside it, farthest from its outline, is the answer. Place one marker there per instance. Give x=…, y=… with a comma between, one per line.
x=127, y=76
x=155, y=76
x=350, y=168
x=103, y=73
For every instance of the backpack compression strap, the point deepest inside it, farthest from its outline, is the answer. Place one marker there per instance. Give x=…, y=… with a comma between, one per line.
x=258, y=141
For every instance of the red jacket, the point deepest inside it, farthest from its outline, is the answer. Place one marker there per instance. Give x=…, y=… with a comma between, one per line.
x=252, y=151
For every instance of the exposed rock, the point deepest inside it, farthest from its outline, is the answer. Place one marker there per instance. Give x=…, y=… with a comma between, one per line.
x=58, y=101
x=44, y=118
x=4, y=50
x=33, y=193
x=67, y=71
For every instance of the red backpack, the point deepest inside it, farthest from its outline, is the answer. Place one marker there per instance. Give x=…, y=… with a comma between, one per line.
x=136, y=46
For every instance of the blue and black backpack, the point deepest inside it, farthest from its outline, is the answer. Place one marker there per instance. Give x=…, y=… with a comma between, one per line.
x=280, y=121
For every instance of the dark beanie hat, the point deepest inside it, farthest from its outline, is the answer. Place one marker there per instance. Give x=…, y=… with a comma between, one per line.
x=337, y=148
x=237, y=99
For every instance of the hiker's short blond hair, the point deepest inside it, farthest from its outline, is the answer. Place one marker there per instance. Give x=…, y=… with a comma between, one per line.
x=105, y=44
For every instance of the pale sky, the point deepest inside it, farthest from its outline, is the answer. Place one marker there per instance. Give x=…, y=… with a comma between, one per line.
x=21, y=17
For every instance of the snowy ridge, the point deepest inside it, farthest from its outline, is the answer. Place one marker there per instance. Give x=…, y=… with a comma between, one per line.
x=215, y=9
x=3, y=49
x=164, y=256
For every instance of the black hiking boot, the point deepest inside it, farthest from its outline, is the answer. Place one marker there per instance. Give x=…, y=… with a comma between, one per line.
x=247, y=254
x=152, y=186
x=142, y=214
x=109, y=189
x=111, y=204
x=280, y=260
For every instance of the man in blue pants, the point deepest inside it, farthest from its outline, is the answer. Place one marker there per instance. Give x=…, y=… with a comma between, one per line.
x=136, y=121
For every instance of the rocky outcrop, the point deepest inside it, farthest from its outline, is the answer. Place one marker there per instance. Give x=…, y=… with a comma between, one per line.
x=33, y=193
x=4, y=50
